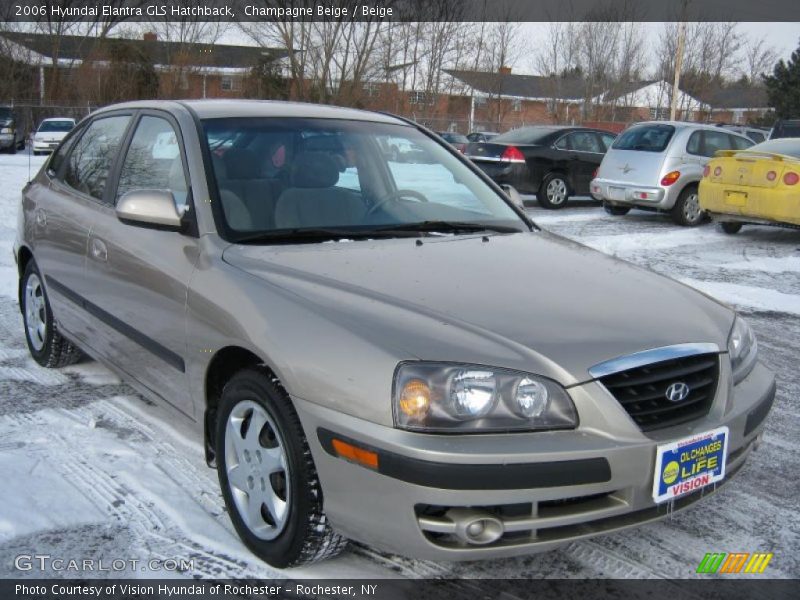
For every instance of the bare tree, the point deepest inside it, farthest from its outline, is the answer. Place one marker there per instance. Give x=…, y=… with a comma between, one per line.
x=759, y=59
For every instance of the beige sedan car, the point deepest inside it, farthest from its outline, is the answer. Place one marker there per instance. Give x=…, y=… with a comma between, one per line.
x=387, y=351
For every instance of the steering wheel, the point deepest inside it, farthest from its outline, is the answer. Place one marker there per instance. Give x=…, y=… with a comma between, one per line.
x=395, y=195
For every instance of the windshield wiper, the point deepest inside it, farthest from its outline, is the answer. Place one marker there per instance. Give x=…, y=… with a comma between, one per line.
x=310, y=235
x=448, y=227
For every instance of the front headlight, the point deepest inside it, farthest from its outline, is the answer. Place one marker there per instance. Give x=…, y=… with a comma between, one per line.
x=443, y=397
x=742, y=349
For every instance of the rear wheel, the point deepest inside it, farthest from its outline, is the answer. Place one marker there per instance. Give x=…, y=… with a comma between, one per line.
x=553, y=192
x=617, y=211
x=687, y=211
x=730, y=227
x=267, y=474
x=46, y=345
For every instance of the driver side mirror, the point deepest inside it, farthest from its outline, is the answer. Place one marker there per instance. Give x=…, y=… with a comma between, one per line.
x=150, y=208
x=513, y=194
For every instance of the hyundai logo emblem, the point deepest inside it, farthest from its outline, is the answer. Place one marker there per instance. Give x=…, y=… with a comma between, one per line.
x=677, y=392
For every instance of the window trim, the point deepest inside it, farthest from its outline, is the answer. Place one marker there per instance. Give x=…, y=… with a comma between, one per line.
x=597, y=137
x=110, y=182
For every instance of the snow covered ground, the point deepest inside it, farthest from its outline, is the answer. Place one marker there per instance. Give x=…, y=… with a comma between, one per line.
x=90, y=470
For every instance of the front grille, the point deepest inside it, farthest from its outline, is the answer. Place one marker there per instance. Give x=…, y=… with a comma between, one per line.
x=642, y=391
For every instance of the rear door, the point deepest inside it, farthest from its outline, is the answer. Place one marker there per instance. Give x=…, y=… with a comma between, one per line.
x=63, y=213
x=138, y=277
x=583, y=154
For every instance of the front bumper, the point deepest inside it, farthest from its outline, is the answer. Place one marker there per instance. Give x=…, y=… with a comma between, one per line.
x=44, y=146
x=542, y=489
x=626, y=194
x=6, y=140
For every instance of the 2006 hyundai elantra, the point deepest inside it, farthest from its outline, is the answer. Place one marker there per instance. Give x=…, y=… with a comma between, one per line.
x=377, y=347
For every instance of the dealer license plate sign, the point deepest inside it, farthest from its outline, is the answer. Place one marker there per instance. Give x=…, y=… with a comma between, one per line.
x=686, y=465
x=735, y=198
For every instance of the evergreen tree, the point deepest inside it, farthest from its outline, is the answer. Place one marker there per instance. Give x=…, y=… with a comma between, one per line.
x=783, y=87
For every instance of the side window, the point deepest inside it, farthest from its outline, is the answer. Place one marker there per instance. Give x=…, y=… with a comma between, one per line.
x=91, y=157
x=563, y=143
x=695, y=143
x=584, y=141
x=608, y=139
x=757, y=136
x=58, y=158
x=714, y=141
x=739, y=143
x=153, y=161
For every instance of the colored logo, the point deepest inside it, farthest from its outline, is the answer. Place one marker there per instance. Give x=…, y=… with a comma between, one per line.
x=677, y=392
x=670, y=473
x=734, y=562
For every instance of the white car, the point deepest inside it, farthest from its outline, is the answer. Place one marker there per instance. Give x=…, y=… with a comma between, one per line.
x=50, y=133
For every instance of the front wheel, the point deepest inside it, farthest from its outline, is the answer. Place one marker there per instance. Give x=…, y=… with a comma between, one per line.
x=730, y=227
x=617, y=211
x=687, y=211
x=267, y=474
x=554, y=192
x=46, y=345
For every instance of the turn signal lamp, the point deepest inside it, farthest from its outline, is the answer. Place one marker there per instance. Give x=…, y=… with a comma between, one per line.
x=415, y=399
x=355, y=454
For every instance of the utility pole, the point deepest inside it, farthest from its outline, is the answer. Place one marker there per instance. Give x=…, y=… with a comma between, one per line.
x=673, y=105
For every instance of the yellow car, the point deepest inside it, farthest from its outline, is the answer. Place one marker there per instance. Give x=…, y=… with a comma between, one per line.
x=758, y=185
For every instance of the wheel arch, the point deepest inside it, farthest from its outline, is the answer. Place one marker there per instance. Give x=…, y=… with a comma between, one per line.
x=225, y=363
x=24, y=256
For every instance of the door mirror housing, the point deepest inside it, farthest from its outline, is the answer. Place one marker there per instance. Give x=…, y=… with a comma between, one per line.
x=150, y=208
x=513, y=194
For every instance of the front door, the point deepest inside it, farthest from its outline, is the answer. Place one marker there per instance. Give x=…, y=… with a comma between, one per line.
x=139, y=276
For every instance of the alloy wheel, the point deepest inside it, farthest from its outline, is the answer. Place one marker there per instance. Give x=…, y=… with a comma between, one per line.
x=557, y=191
x=691, y=208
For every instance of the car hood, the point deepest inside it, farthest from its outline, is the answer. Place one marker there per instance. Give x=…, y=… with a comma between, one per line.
x=528, y=301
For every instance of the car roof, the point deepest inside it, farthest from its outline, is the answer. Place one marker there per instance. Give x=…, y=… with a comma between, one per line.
x=216, y=109
x=58, y=119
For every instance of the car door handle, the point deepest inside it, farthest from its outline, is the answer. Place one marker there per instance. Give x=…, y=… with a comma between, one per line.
x=98, y=250
x=41, y=217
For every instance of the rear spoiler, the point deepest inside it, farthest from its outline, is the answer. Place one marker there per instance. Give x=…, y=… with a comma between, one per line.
x=770, y=155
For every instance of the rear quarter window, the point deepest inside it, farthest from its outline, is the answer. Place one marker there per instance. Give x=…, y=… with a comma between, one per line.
x=645, y=138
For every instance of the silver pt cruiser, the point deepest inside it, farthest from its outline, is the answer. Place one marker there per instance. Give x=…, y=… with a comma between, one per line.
x=377, y=347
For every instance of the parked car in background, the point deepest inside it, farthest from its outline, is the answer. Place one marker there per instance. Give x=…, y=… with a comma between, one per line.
x=760, y=185
x=481, y=136
x=757, y=134
x=785, y=128
x=12, y=136
x=457, y=140
x=374, y=350
x=658, y=165
x=552, y=162
x=50, y=133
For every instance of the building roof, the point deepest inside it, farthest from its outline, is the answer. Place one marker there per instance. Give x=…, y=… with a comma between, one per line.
x=736, y=96
x=522, y=86
x=36, y=47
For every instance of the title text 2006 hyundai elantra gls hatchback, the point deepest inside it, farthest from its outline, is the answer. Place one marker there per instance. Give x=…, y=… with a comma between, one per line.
x=377, y=350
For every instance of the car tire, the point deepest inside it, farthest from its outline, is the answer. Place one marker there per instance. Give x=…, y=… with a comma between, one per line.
x=617, y=211
x=687, y=211
x=554, y=192
x=47, y=346
x=12, y=149
x=730, y=227
x=278, y=468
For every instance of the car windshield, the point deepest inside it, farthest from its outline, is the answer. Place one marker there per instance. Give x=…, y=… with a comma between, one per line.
x=525, y=135
x=645, y=138
x=311, y=179
x=785, y=146
x=56, y=126
x=5, y=112
x=788, y=129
